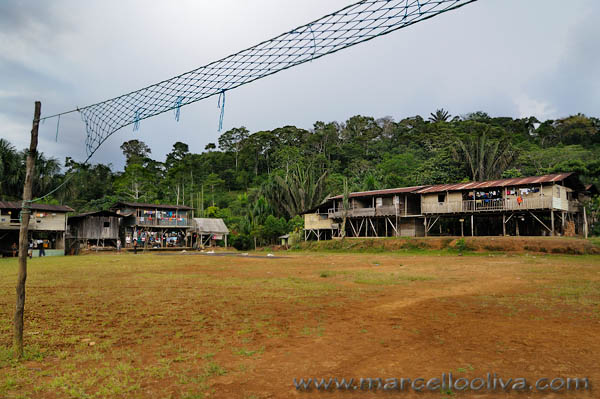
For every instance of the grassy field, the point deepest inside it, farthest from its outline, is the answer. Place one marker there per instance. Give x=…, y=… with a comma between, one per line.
x=193, y=326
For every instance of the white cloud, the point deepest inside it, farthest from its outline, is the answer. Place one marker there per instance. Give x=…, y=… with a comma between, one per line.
x=542, y=110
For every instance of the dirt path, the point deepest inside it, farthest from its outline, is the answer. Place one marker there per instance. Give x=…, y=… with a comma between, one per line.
x=222, y=327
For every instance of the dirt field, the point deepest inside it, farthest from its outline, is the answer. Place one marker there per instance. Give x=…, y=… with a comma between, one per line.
x=193, y=326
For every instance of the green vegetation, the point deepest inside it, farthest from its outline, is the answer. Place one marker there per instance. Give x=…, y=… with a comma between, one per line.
x=259, y=182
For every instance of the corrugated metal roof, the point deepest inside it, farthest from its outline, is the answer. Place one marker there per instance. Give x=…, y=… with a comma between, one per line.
x=96, y=213
x=516, y=181
x=36, y=207
x=151, y=206
x=380, y=192
x=210, y=225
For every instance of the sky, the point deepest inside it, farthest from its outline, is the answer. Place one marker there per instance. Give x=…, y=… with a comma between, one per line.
x=514, y=58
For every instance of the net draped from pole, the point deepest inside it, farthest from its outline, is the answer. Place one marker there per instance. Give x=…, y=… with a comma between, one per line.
x=354, y=24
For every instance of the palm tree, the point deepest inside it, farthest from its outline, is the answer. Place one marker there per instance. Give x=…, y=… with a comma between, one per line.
x=486, y=158
x=46, y=174
x=10, y=171
x=441, y=115
x=301, y=189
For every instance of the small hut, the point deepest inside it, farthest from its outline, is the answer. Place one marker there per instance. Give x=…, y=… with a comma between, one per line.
x=99, y=228
x=207, y=231
x=285, y=240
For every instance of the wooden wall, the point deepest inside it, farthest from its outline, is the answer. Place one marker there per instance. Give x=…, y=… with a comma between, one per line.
x=316, y=221
x=40, y=220
x=92, y=228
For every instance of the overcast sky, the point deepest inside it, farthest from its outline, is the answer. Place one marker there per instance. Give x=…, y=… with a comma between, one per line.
x=505, y=57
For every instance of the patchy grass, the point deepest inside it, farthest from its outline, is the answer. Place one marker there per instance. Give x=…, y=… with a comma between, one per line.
x=125, y=326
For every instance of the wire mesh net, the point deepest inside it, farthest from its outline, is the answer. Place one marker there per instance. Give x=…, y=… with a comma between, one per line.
x=349, y=26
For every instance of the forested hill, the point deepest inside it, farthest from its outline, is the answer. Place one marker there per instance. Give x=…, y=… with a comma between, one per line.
x=245, y=177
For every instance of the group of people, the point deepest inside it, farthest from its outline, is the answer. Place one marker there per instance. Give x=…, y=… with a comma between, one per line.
x=30, y=248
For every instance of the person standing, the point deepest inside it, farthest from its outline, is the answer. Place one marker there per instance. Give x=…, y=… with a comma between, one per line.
x=118, y=245
x=30, y=250
x=41, y=248
x=135, y=245
x=14, y=249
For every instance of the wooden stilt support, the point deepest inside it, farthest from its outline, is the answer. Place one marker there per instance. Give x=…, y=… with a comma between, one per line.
x=504, y=224
x=472, y=226
x=373, y=227
x=426, y=227
x=552, y=222
x=353, y=229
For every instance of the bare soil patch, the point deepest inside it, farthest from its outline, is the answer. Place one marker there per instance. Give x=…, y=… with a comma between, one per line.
x=237, y=327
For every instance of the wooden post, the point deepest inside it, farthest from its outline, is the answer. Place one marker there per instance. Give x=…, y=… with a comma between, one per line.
x=472, y=225
x=425, y=223
x=562, y=220
x=504, y=224
x=462, y=227
x=552, y=222
x=23, y=233
x=585, y=224
x=517, y=226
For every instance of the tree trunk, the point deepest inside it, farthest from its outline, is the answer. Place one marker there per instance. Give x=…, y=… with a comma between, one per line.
x=23, y=234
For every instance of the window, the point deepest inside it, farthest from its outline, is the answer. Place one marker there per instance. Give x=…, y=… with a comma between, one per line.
x=441, y=197
x=106, y=224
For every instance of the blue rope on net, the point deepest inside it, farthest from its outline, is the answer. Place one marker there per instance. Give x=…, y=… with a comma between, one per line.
x=136, y=121
x=178, y=107
x=222, y=106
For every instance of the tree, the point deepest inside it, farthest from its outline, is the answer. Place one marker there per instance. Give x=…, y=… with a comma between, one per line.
x=440, y=115
x=210, y=146
x=274, y=227
x=232, y=141
x=178, y=153
x=486, y=158
x=10, y=171
x=296, y=192
x=135, y=151
x=213, y=180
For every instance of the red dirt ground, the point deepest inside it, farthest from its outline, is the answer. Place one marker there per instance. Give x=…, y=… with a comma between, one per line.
x=232, y=327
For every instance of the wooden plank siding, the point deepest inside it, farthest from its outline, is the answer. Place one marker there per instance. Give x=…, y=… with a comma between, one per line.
x=549, y=197
x=95, y=228
x=317, y=221
x=51, y=221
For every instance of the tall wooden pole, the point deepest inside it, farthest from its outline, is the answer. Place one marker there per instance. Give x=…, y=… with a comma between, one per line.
x=23, y=233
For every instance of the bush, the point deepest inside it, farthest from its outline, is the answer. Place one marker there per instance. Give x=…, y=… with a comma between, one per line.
x=462, y=246
x=242, y=242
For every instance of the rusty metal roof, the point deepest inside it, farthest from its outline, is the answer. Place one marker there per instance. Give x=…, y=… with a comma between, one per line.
x=96, y=214
x=36, y=207
x=149, y=206
x=381, y=192
x=515, y=181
